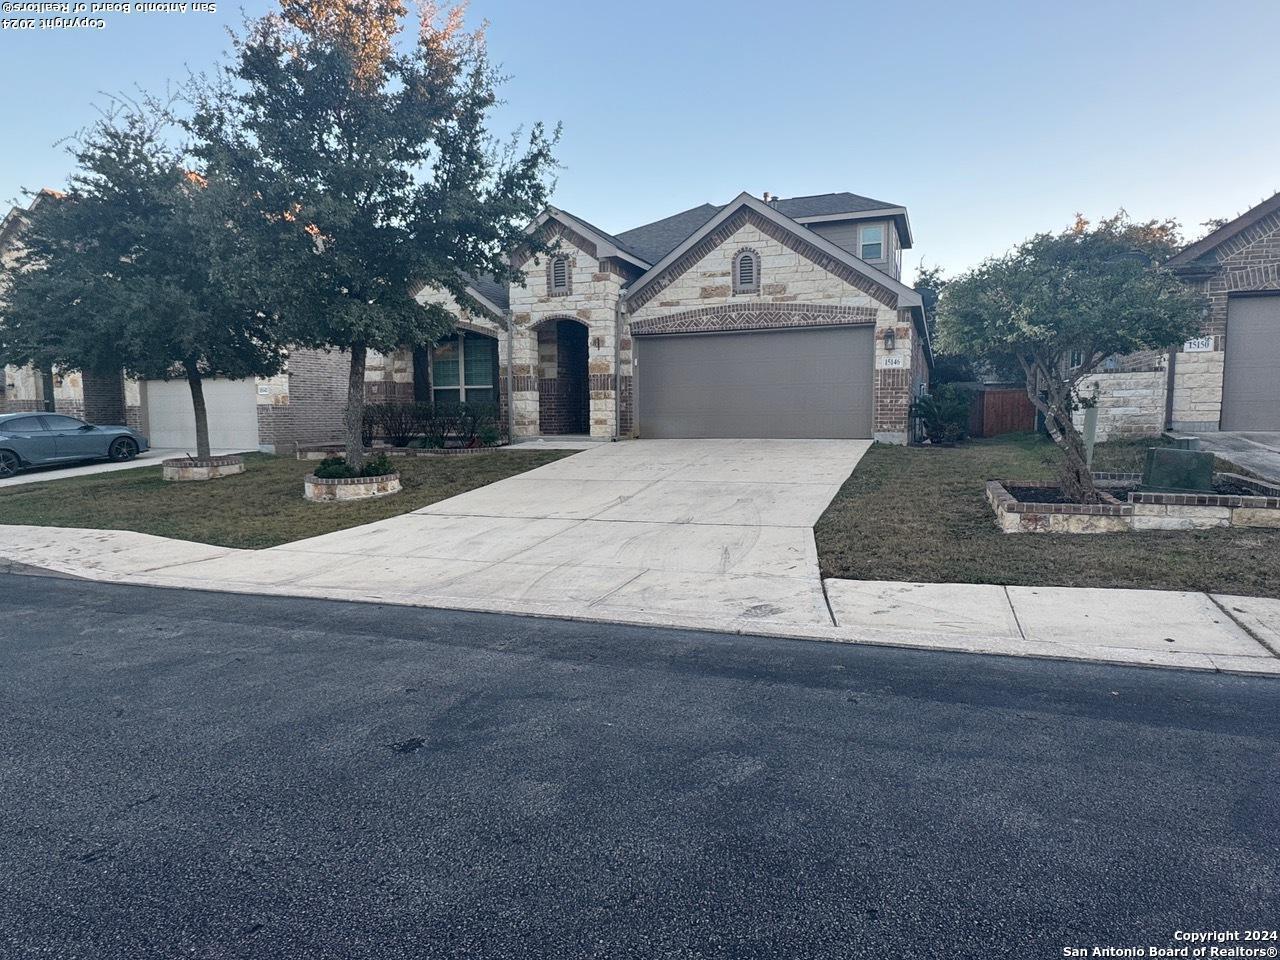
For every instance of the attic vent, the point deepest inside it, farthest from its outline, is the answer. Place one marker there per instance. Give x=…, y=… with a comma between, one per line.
x=558, y=275
x=746, y=272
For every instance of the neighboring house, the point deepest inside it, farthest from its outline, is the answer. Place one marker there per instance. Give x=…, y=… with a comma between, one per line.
x=1228, y=378
x=758, y=318
x=302, y=405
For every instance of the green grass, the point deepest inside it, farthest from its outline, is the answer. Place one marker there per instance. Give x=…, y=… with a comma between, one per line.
x=920, y=514
x=261, y=507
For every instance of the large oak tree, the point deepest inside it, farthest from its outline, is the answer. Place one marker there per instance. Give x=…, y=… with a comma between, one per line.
x=362, y=157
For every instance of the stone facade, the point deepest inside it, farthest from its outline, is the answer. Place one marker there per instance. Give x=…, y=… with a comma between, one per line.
x=536, y=312
x=1129, y=404
x=798, y=287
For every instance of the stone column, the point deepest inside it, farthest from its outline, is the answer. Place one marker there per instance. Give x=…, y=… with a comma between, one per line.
x=524, y=383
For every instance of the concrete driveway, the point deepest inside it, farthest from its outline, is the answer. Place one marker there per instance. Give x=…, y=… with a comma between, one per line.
x=1259, y=452
x=648, y=531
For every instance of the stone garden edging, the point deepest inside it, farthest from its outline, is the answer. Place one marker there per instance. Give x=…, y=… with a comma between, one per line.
x=180, y=469
x=341, y=489
x=1141, y=511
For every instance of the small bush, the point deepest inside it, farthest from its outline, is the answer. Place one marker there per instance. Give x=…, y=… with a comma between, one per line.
x=336, y=468
x=399, y=422
x=489, y=435
x=944, y=414
x=333, y=468
x=379, y=466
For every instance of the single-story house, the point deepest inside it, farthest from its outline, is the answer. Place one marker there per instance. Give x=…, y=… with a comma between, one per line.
x=757, y=318
x=1228, y=377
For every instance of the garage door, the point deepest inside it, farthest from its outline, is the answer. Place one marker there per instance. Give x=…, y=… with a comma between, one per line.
x=233, y=414
x=1251, y=385
x=778, y=383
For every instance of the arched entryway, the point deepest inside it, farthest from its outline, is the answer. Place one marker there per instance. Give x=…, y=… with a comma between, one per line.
x=564, y=390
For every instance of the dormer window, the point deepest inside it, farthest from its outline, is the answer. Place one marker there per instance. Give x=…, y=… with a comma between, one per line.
x=871, y=241
x=746, y=272
x=559, y=278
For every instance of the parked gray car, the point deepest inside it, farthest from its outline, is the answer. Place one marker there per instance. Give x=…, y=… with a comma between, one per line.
x=37, y=439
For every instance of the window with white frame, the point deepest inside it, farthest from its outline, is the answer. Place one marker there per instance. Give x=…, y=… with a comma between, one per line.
x=871, y=241
x=464, y=369
x=746, y=272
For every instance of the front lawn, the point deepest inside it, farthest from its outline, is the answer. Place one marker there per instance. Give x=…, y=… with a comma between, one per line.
x=261, y=507
x=920, y=514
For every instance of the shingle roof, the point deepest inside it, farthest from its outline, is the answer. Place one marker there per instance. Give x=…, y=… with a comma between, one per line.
x=653, y=241
x=492, y=289
x=827, y=203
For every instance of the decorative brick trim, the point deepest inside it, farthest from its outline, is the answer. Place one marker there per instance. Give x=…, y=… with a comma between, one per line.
x=787, y=238
x=756, y=315
x=597, y=382
x=754, y=286
x=478, y=328
x=552, y=231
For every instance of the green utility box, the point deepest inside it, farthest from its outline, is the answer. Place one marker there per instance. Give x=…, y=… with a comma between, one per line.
x=1170, y=470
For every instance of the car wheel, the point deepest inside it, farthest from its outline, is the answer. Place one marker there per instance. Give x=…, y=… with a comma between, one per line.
x=122, y=449
x=9, y=463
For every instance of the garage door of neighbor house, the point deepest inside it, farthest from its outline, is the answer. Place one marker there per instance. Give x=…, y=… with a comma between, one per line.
x=810, y=383
x=233, y=414
x=1251, y=379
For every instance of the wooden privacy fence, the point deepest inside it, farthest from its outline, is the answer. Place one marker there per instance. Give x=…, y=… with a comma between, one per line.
x=998, y=410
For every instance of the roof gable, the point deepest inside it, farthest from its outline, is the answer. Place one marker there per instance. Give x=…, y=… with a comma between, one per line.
x=747, y=209
x=585, y=236
x=1227, y=231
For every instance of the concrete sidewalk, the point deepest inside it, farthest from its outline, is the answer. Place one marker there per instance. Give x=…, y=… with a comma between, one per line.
x=1145, y=627
x=1259, y=452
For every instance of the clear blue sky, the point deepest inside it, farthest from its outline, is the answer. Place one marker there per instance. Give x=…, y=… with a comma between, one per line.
x=989, y=121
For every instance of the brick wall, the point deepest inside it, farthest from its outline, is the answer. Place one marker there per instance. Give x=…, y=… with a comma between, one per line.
x=310, y=406
x=563, y=388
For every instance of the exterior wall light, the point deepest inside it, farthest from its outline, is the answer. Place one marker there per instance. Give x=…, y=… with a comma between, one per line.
x=890, y=339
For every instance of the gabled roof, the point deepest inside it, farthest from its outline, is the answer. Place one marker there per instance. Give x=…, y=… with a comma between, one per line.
x=1224, y=233
x=907, y=297
x=17, y=216
x=607, y=245
x=655, y=240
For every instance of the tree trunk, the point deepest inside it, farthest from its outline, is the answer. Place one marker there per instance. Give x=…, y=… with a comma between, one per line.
x=196, y=383
x=353, y=420
x=1076, y=477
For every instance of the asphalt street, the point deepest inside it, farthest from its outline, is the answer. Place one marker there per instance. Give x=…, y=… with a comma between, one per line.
x=204, y=775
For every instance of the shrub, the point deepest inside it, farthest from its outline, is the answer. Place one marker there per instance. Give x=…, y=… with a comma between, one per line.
x=379, y=466
x=336, y=468
x=369, y=426
x=944, y=414
x=489, y=435
x=333, y=468
x=399, y=422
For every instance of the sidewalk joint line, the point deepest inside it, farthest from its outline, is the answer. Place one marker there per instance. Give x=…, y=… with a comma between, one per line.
x=1239, y=623
x=1014, y=610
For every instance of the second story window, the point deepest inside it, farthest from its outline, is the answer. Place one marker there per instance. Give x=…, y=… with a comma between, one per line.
x=871, y=241
x=558, y=278
x=746, y=272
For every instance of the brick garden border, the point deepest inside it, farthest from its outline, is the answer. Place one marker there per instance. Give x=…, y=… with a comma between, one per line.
x=340, y=489
x=1142, y=511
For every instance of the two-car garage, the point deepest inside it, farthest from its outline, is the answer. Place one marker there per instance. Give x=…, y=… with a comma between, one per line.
x=806, y=382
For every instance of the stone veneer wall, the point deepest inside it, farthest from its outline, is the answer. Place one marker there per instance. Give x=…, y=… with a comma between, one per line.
x=595, y=288
x=1129, y=404
x=794, y=277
